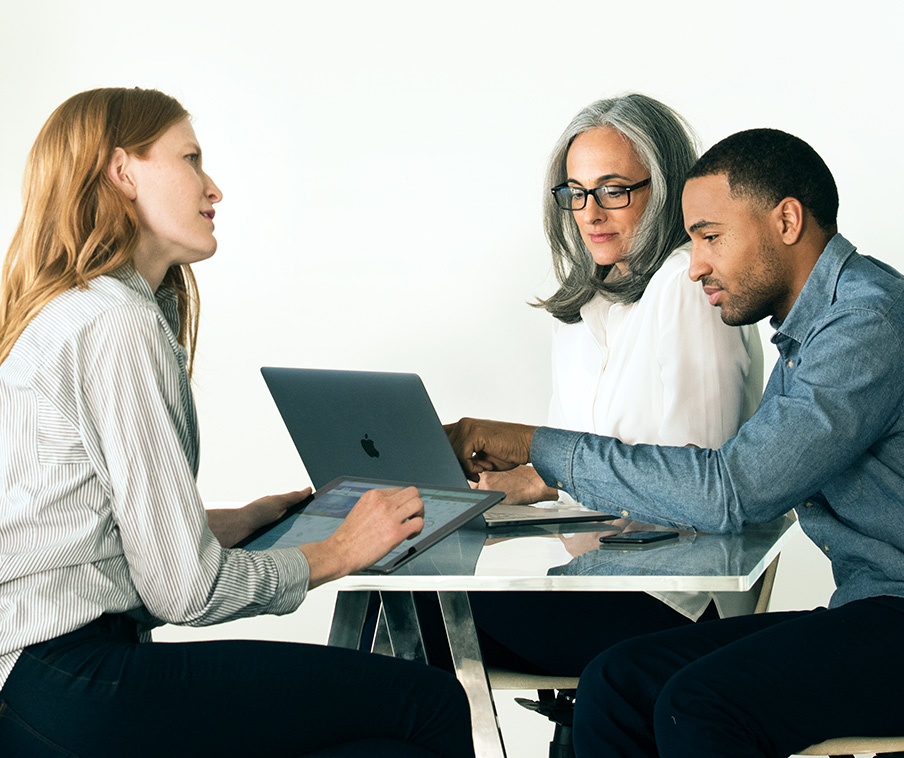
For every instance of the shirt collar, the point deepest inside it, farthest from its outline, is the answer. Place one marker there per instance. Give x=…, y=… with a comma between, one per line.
x=818, y=291
x=165, y=298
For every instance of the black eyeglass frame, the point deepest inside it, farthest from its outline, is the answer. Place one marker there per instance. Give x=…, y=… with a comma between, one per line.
x=596, y=192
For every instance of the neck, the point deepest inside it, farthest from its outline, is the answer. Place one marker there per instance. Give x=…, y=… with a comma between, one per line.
x=803, y=257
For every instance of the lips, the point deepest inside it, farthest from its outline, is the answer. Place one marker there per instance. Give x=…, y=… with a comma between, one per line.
x=209, y=214
x=713, y=293
x=599, y=239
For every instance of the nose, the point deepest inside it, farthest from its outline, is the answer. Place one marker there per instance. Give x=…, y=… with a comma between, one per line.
x=590, y=213
x=699, y=265
x=211, y=191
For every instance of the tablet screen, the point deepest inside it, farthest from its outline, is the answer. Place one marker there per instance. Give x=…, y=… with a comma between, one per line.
x=445, y=509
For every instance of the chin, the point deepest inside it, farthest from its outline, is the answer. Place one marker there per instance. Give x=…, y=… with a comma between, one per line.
x=605, y=260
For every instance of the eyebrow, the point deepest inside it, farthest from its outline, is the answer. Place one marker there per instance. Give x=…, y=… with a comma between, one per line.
x=601, y=179
x=700, y=225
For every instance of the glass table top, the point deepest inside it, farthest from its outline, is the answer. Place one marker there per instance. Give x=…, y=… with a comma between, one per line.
x=570, y=557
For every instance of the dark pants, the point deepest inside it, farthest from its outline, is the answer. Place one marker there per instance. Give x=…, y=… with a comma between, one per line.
x=764, y=685
x=98, y=692
x=554, y=633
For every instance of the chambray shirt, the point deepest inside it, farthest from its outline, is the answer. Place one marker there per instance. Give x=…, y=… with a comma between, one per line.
x=826, y=440
x=99, y=512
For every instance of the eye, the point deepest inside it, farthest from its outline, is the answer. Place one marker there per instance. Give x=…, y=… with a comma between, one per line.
x=614, y=191
x=710, y=237
x=193, y=158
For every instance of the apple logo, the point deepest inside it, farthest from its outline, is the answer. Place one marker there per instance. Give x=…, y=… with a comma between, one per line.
x=369, y=447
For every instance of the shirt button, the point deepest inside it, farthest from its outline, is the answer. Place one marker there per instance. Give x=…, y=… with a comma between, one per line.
x=625, y=513
x=790, y=364
x=809, y=504
x=560, y=486
x=826, y=548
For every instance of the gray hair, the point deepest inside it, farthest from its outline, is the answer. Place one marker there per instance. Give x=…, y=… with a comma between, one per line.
x=666, y=146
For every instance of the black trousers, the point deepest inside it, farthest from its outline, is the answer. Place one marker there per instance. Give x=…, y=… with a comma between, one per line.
x=555, y=633
x=98, y=692
x=764, y=685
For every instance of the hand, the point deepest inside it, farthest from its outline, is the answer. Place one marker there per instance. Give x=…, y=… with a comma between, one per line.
x=232, y=525
x=489, y=445
x=380, y=521
x=522, y=485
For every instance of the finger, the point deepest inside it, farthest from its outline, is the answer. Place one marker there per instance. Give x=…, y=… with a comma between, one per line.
x=414, y=526
x=473, y=469
x=459, y=437
x=413, y=508
x=403, y=498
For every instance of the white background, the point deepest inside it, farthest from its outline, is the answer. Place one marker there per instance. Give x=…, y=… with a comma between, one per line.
x=382, y=168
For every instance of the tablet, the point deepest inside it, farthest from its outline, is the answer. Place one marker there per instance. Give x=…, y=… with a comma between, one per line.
x=318, y=516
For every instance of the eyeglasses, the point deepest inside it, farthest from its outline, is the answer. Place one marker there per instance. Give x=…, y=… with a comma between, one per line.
x=609, y=196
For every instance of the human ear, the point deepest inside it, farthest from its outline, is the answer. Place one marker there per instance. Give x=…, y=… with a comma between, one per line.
x=120, y=173
x=789, y=219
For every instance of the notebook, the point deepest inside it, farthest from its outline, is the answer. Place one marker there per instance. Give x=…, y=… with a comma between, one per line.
x=382, y=425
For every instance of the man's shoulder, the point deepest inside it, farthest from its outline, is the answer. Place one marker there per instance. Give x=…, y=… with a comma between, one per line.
x=866, y=283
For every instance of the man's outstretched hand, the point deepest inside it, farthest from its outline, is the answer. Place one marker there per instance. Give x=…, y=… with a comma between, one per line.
x=489, y=445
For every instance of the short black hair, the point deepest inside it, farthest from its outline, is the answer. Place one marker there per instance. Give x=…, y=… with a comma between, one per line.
x=769, y=165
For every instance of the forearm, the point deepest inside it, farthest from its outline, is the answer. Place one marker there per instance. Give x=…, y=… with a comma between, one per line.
x=325, y=563
x=681, y=487
x=229, y=525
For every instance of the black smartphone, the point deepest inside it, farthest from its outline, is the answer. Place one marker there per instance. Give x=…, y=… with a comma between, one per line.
x=637, y=538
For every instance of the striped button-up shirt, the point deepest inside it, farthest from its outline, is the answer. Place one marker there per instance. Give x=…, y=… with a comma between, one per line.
x=99, y=510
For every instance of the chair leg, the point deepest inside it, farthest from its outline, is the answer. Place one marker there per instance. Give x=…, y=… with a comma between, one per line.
x=562, y=745
x=558, y=708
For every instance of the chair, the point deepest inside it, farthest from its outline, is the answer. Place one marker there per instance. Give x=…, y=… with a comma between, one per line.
x=559, y=708
x=842, y=747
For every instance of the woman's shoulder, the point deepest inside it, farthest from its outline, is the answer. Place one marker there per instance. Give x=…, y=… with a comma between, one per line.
x=108, y=305
x=672, y=282
x=674, y=268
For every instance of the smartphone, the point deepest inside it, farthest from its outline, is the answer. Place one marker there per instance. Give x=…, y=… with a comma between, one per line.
x=637, y=538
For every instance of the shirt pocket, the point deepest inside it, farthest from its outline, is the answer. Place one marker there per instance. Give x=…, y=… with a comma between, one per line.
x=59, y=442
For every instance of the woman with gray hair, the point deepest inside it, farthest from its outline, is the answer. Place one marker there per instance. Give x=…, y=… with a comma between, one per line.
x=638, y=354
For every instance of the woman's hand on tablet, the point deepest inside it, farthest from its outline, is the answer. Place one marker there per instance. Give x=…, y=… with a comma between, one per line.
x=380, y=521
x=231, y=525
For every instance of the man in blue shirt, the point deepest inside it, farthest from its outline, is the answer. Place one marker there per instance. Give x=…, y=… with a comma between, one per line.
x=827, y=440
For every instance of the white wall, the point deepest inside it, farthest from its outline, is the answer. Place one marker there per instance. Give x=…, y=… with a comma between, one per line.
x=352, y=141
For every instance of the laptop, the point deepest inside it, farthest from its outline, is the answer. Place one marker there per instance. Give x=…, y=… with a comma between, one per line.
x=382, y=425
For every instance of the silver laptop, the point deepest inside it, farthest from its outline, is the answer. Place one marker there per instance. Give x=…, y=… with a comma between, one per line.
x=381, y=425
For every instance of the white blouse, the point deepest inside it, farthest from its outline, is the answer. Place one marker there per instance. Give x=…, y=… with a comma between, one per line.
x=664, y=370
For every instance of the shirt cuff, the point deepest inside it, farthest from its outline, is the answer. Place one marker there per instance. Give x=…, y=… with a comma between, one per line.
x=552, y=453
x=293, y=577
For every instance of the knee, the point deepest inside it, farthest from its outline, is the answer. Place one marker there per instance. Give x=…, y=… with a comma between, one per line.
x=443, y=693
x=605, y=675
x=686, y=704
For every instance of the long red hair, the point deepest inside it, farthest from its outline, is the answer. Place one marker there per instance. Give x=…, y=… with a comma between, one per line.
x=76, y=224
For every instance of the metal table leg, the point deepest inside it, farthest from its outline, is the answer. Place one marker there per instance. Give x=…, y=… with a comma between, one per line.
x=348, y=619
x=402, y=626
x=471, y=673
